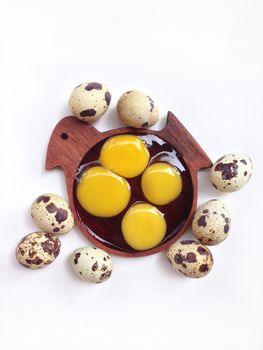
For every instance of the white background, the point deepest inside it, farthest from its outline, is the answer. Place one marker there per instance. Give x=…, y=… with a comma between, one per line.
x=203, y=60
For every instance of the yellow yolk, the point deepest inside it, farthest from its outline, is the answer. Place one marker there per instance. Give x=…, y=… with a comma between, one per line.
x=103, y=193
x=125, y=155
x=161, y=183
x=143, y=226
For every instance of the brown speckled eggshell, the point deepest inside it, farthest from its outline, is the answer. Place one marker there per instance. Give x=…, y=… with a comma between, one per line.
x=92, y=264
x=137, y=110
x=89, y=101
x=211, y=222
x=51, y=214
x=190, y=258
x=37, y=250
x=231, y=172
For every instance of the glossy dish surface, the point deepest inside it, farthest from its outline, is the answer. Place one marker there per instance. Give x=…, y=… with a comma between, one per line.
x=108, y=230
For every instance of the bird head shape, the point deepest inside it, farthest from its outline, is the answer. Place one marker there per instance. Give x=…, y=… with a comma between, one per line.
x=69, y=142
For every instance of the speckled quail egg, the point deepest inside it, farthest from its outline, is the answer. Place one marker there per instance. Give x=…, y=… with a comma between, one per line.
x=51, y=214
x=89, y=101
x=136, y=109
x=92, y=264
x=231, y=172
x=211, y=222
x=190, y=258
x=37, y=250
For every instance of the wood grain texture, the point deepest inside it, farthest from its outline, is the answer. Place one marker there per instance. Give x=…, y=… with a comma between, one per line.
x=72, y=139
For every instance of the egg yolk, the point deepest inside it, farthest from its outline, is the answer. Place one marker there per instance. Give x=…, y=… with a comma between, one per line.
x=125, y=155
x=161, y=183
x=103, y=193
x=143, y=226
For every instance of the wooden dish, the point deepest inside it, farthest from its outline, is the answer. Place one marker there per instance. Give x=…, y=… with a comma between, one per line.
x=73, y=143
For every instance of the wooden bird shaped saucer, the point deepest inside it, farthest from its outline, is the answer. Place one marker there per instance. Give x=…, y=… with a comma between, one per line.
x=74, y=143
